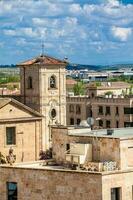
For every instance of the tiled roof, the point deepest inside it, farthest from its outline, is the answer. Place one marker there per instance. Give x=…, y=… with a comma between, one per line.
x=71, y=82
x=43, y=60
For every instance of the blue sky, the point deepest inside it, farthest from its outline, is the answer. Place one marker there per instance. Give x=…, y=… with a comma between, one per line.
x=85, y=31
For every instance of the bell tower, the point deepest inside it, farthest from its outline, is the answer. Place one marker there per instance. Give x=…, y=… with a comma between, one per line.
x=43, y=88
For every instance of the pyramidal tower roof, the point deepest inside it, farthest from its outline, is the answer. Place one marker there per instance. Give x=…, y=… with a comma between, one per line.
x=43, y=60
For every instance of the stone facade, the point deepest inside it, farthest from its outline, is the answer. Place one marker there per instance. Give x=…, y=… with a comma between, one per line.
x=44, y=184
x=104, y=147
x=34, y=180
x=96, y=107
x=41, y=184
x=27, y=126
x=77, y=109
x=110, y=112
x=40, y=96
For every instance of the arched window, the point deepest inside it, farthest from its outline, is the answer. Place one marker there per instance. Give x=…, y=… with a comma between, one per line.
x=52, y=81
x=30, y=85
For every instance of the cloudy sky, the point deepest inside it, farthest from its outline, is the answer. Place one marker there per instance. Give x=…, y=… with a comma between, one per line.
x=85, y=31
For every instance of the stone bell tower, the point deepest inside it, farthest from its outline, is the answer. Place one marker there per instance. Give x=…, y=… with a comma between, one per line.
x=43, y=88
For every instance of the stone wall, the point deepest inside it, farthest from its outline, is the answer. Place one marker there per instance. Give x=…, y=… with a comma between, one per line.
x=103, y=148
x=40, y=184
x=28, y=140
x=122, y=180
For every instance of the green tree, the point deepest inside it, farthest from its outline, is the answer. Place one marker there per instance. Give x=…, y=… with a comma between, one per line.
x=79, y=88
x=109, y=93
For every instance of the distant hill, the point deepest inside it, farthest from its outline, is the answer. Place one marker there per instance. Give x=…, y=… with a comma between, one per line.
x=8, y=66
x=72, y=66
x=98, y=67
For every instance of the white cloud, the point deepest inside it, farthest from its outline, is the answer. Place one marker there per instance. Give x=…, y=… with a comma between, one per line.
x=121, y=33
x=113, y=3
x=75, y=8
x=79, y=23
x=10, y=32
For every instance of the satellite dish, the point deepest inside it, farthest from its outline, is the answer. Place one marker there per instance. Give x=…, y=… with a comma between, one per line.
x=84, y=123
x=90, y=121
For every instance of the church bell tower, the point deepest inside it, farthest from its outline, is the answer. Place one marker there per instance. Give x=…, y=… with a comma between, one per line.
x=43, y=88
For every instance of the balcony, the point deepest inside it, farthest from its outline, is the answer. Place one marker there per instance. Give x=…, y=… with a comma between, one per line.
x=79, y=153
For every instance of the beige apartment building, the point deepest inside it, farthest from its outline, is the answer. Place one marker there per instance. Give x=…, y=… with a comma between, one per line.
x=112, y=112
x=107, y=112
x=88, y=165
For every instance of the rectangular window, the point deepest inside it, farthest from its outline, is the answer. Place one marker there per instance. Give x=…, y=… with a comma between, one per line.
x=117, y=110
x=128, y=124
x=107, y=110
x=115, y=194
x=67, y=147
x=107, y=124
x=71, y=121
x=78, y=121
x=12, y=191
x=10, y=135
x=100, y=110
x=117, y=124
x=78, y=109
x=128, y=110
x=100, y=123
x=71, y=108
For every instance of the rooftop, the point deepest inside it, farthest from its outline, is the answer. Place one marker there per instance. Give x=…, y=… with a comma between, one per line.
x=39, y=165
x=43, y=60
x=122, y=133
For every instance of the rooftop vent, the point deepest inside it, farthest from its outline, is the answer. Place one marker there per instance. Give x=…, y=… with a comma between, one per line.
x=110, y=131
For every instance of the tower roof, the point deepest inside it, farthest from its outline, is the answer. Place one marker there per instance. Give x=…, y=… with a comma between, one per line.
x=43, y=60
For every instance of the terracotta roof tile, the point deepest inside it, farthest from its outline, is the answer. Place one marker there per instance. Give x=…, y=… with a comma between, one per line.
x=43, y=60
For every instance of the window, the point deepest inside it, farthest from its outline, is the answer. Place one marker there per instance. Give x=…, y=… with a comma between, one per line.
x=100, y=123
x=71, y=108
x=107, y=124
x=128, y=110
x=92, y=95
x=117, y=124
x=52, y=82
x=100, y=110
x=78, y=121
x=53, y=113
x=71, y=121
x=12, y=191
x=107, y=110
x=67, y=147
x=10, y=135
x=30, y=85
x=115, y=193
x=128, y=124
x=78, y=109
x=117, y=110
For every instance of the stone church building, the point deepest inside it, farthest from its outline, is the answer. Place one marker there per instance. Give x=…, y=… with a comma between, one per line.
x=43, y=88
